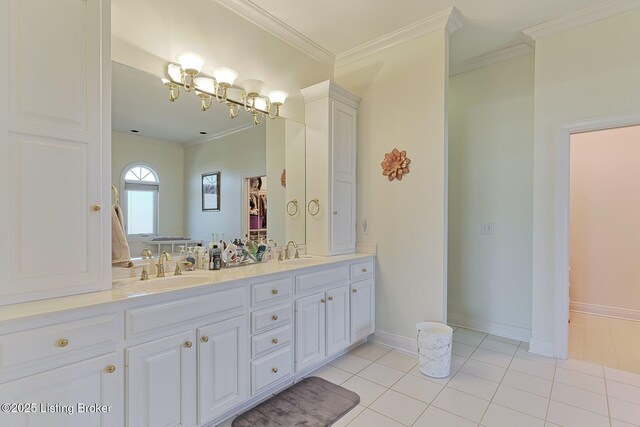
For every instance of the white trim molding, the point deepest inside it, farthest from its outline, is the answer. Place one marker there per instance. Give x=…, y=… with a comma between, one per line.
x=542, y=347
x=605, y=310
x=579, y=18
x=145, y=139
x=263, y=19
x=494, y=328
x=326, y=88
x=450, y=19
x=218, y=135
x=490, y=58
x=398, y=342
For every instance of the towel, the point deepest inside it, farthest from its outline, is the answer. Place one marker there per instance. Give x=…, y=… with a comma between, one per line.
x=120, y=253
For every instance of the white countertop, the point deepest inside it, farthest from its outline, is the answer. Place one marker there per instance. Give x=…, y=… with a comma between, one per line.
x=126, y=289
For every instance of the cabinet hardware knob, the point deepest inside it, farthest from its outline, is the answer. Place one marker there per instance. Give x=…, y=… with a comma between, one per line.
x=364, y=270
x=96, y=208
x=355, y=291
x=335, y=212
x=330, y=298
x=274, y=317
x=204, y=339
x=274, y=370
x=63, y=342
x=274, y=291
x=275, y=340
x=188, y=344
x=322, y=300
x=110, y=369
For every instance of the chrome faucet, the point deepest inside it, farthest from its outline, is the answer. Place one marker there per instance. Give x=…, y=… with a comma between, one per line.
x=164, y=255
x=295, y=246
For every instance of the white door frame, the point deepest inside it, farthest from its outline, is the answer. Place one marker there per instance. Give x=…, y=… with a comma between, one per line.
x=563, y=140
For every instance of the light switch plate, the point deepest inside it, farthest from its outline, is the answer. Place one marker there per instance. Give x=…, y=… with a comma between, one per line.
x=487, y=228
x=364, y=227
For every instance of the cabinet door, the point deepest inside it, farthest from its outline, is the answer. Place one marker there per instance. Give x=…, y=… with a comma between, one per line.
x=310, y=330
x=337, y=319
x=72, y=388
x=223, y=364
x=161, y=382
x=343, y=218
x=361, y=309
x=54, y=131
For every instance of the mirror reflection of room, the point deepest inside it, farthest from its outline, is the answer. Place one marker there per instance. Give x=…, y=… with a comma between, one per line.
x=257, y=199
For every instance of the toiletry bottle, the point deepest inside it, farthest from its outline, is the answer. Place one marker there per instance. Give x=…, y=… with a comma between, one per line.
x=211, y=255
x=190, y=260
x=217, y=259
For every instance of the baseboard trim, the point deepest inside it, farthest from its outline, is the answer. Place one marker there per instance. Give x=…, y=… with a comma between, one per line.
x=605, y=310
x=397, y=342
x=493, y=328
x=542, y=347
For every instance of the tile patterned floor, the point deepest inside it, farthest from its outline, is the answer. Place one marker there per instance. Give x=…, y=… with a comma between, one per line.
x=494, y=382
x=605, y=341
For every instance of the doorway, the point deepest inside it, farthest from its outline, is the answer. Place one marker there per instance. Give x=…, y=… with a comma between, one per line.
x=255, y=223
x=604, y=232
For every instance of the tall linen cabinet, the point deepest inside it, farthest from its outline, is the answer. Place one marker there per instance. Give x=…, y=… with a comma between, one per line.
x=331, y=119
x=55, y=140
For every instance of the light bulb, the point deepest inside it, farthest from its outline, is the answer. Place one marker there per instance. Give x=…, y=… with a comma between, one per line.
x=277, y=97
x=205, y=84
x=260, y=104
x=191, y=62
x=252, y=86
x=225, y=76
x=174, y=72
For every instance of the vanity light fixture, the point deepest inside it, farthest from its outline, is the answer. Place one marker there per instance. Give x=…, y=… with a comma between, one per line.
x=186, y=73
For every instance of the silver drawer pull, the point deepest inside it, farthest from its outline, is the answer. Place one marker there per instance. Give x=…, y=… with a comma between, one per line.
x=330, y=298
x=274, y=317
x=355, y=291
x=364, y=270
x=274, y=370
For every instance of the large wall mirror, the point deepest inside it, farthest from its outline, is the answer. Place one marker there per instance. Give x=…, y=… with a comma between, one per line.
x=186, y=175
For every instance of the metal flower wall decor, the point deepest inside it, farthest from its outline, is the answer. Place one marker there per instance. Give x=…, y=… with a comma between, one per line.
x=395, y=164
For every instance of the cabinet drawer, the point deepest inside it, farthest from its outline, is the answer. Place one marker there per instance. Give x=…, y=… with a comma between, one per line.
x=61, y=340
x=319, y=279
x=270, y=317
x=269, y=369
x=361, y=270
x=271, y=290
x=269, y=341
x=159, y=316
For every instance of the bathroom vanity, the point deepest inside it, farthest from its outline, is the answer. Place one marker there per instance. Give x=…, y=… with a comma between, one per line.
x=184, y=350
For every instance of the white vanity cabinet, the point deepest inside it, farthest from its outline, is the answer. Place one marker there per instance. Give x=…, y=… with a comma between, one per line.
x=55, y=142
x=331, y=122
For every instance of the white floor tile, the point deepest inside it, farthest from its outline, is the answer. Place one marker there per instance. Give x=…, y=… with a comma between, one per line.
x=349, y=416
x=418, y=388
x=351, y=363
x=531, y=367
x=507, y=340
x=472, y=332
x=499, y=346
x=491, y=357
x=529, y=383
x=624, y=411
x=462, y=350
x=581, y=366
x=581, y=398
x=580, y=380
x=476, y=386
x=367, y=390
x=442, y=381
x=400, y=361
x=484, y=370
x=617, y=423
x=369, y=418
x=381, y=374
x=332, y=374
x=370, y=351
x=436, y=417
x=521, y=401
x=499, y=416
x=622, y=376
x=399, y=407
x=570, y=416
x=523, y=353
x=462, y=404
x=466, y=338
x=622, y=391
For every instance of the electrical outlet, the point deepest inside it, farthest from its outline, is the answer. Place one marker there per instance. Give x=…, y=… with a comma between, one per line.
x=364, y=227
x=487, y=228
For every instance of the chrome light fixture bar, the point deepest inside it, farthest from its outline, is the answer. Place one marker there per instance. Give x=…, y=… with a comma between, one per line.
x=186, y=74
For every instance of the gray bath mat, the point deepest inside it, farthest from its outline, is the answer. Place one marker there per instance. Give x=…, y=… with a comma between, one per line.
x=313, y=402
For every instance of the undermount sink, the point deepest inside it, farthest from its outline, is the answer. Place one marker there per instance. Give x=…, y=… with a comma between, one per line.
x=302, y=260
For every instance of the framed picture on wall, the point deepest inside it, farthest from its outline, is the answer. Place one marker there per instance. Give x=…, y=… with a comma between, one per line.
x=211, y=192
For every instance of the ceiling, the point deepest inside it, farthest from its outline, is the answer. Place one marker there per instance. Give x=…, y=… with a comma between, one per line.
x=140, y=101
x=489, y=25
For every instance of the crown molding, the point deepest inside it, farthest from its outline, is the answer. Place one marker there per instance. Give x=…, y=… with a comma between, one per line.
x=494, y=57
x=218, y=135
x=579, y=18
x=329, y=88
x=450, y=19
x=145, y=139
x=263, y=19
